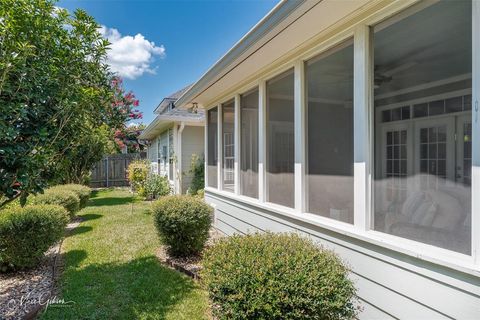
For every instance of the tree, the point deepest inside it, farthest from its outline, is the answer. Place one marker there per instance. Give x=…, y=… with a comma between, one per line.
x=55, y=87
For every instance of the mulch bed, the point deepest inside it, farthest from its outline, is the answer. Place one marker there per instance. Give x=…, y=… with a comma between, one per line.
x=191, y=266
x=24, y=293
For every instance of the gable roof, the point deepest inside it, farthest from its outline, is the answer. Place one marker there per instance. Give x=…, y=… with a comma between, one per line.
x=172, y=98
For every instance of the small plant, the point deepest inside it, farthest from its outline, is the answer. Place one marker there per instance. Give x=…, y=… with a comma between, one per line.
x=156, y=186
x=183, y=223
x=277, y=276
x=197, y=170
x=65, y=198
x=83, y=192
x=138, y=171
x=26, y=233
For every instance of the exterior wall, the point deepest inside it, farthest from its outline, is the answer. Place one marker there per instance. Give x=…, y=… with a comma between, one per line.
x=192, y=143
x=152, y=156
x=390, y=284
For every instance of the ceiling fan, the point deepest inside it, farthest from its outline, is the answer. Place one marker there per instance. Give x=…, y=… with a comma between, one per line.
x=380, y=77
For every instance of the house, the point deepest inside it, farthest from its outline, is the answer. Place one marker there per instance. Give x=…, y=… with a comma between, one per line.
x=352, y=122
x=174, y=136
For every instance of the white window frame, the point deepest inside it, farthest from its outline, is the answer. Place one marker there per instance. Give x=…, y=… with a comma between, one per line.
x=363, y=142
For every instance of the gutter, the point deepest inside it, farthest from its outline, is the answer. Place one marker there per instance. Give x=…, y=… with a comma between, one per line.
x=278, y=14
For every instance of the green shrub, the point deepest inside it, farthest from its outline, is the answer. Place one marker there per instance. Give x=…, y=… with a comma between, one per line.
x=183, y=223
x=83, y=192
x=156, y=186
x=137, y=174
x=64, y=198
x=276, y=276
x=197, y=170
x=26, y=233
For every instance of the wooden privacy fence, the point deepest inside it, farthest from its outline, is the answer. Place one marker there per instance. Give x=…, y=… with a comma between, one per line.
x=111, y=171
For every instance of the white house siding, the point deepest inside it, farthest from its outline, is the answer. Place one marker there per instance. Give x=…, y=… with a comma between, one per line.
x=152, y=156
x=192, y=143
x=390, y=284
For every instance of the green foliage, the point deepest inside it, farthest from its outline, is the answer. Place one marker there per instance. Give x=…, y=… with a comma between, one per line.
x=83, y=192
x=183, y=223
x=64, y=198
x=59, y=100
x=86, y=148
x=197, y=170
x=137, y=175
x=277, y=276
x=156, y=186
x=26, y=233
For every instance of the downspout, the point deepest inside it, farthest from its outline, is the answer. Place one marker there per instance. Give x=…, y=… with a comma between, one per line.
x=179, y=156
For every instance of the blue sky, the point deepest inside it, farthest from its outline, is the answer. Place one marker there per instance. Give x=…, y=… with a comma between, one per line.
x=181, y=39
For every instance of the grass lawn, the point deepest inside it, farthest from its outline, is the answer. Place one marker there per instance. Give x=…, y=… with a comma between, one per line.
x=111, y=271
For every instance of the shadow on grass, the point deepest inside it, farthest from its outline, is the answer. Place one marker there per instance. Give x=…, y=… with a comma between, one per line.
x=79, y=230
x=141, y=288
x=110, y=201
x=90, y=216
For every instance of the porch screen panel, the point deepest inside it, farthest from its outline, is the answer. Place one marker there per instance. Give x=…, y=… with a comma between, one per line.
x=228, y=145
x=423, y=140
x=329, y=82
x=249, y=144
x=212, y=134
x=280, y=140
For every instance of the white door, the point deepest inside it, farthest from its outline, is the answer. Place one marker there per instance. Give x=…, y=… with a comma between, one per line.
x=463, y=165
x=435, y=151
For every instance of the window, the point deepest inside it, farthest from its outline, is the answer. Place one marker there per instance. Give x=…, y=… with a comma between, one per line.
x=249, y=144
x=280, y=140
x=228, y=113
x=212, y=127
x=329, y=83
x=422, y=91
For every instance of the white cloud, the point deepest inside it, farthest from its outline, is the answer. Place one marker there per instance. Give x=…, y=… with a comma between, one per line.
x=129, y=56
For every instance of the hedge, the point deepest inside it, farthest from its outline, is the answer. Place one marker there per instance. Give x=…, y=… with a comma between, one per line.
x=26, y=233
x=276, y=276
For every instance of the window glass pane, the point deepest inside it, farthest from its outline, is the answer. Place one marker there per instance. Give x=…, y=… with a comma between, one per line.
x=212, y=146
x=330, y=134
x=228, y=113
x=422, y=179
x=249, y=144
x=280, y=140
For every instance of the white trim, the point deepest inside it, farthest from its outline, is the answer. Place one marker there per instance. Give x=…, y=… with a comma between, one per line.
x=220, y=147
x=299, y=132
x=236, y=131
x=262, y=136
x=205, y=151
x=476, y=131
x=439, y=256
x=363, y=92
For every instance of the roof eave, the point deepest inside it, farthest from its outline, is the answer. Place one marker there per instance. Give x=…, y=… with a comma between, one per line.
x=282, y=10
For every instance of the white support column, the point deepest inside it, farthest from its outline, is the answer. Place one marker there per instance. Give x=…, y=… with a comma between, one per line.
x=262, y=136
x=175, y=177
x=476, y=131
x=363, y=113
x=220, y=148
x=299, y=133
x=237, y=124
x=205, y=152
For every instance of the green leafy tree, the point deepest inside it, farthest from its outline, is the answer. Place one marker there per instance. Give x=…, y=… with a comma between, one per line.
x=55, y=87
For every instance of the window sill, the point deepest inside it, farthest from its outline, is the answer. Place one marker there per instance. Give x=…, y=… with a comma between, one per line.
x=441, y=257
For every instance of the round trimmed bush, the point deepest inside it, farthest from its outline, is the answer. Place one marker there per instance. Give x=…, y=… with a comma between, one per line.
x=183, y=223
x=26, y=233
x=156, y=186
x=276, y=276
x=64, y=198
x=83, y=192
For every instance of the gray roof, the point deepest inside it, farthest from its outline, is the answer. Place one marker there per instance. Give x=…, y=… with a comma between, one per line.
x=162, y=106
